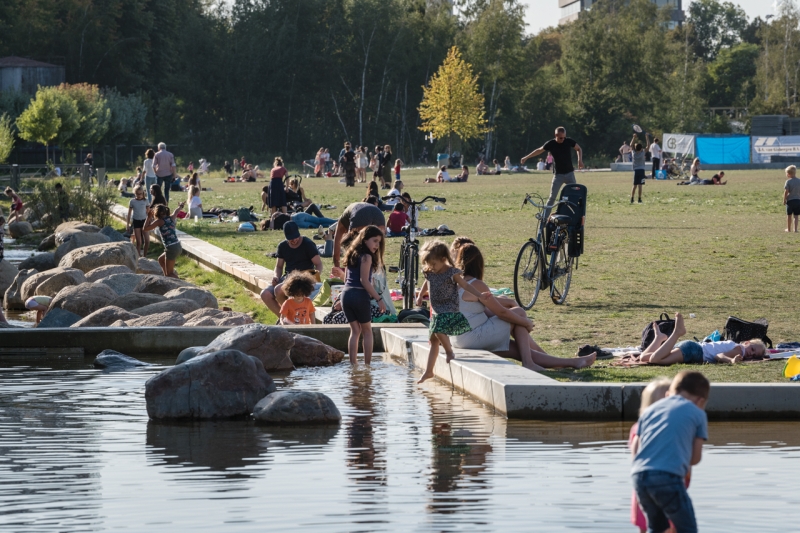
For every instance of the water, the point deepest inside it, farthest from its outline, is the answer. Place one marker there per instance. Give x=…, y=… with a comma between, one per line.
x=77, y=453
x=15, y=254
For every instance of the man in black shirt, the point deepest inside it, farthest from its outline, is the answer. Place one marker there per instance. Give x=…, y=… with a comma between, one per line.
x=563, y=172
x=296, y=253
x=356, y=216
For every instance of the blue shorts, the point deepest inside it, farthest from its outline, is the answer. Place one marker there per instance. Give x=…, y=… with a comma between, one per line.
x=663, y=498
x=692, y=352
x=356, y=305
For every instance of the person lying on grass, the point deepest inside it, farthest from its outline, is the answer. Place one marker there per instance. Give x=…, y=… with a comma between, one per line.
x=668, y=351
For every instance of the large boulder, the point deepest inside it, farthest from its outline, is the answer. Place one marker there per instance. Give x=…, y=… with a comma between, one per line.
x=77, y=240
x=179, y=305
x=113, y=235
x=122, y=284
x=41, y=262
x=12, y=299
x=202, y=297
x=188, y=353
x=8, y=273
x=63, y=277
x=308, y=351
x=91, y=257
x=104, y=317
x=48, y=243
x=220, y=384
x=271, y=344
x=159, y=320
x=217, y=318
x=296, y=407
x=19, y=229
x=119, y=324
x=76, y=225
x=148, y=266
x=58, y=318
x=111, y=360
x=160, y=284
x=30, y=284
x=135, y=300
x=104, y=271
x=83, y=299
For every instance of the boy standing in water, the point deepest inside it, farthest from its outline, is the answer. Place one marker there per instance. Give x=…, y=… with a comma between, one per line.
x=668, y=442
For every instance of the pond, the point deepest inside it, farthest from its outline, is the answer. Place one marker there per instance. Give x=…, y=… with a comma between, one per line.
x=15, y=254
x=78, y=453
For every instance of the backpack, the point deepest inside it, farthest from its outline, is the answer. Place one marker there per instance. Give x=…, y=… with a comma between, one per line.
x=738, y=330
x=664, y=323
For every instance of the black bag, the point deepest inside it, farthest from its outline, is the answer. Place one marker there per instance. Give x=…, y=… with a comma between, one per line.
x=738, y=330
x=665, y=324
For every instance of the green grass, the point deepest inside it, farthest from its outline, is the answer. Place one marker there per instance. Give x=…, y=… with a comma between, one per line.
x=711, y=251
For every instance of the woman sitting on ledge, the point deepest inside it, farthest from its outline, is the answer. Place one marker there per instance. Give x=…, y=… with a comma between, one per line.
x=493, y=324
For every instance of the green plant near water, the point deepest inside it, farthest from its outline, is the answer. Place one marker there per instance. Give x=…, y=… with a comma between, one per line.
x=85, y=204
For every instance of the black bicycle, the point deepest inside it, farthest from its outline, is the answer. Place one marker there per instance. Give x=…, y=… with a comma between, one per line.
x=409, y=251
x=561, y=236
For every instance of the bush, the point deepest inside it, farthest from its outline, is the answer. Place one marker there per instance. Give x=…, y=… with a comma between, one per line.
x=86, y=204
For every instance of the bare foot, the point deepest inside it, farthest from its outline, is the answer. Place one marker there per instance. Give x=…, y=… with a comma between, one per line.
x=450, y=356
x=680, y=329
x=424, y=377
x=530, y=365
x=660, y=335
x=586, y=360
x=786, y=230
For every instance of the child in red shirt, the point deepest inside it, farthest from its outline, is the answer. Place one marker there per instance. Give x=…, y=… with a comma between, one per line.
x=397, y=166
x=397, y=220
x=298, y=309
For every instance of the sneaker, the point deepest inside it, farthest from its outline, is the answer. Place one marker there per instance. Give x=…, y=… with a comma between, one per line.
x=631, y=199
x=640, y=200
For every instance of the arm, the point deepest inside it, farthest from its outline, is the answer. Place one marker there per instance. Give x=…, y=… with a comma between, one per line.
x=458, y=278
x=278, y=271
x=366, y=266
x=635, y=446
x=498, y=307
x=338, y=237
x=153, y=225
x=317, y=260
x=737, y=350
x=180, y=206
x=580, y=156
x=785, y=195
x=130, y=210
x=263, y=201
x=697, y=450
x=422, y=292
x=536, y=152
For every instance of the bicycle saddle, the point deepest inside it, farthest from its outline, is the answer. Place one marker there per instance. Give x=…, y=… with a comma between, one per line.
x=561, y=220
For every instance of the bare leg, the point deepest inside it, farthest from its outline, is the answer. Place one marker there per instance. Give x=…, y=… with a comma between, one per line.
x=146, y=243
x=665, y=353
x=432, y=355
x=659, y=339
x=795, y=223
x=788, y=223
x=640, y=191
x=352, y=342
x=170, y=268
x=270, y=300
x=138, y=234
x=448, y=348
x=162, y=261
x=366, y=331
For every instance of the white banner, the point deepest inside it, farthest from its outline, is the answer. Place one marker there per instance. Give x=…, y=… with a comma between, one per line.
x=677, y=143
x=766, y=147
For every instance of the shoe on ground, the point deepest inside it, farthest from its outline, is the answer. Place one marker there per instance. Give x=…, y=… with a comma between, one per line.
x=640, y=200
x=631, y=199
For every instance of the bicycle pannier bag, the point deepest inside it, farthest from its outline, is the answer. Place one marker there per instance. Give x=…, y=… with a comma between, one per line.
x=738, y=330
x=665, y=324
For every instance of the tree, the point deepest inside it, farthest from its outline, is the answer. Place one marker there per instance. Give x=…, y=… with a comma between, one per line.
x=93, y=114
x=51, y=116
x=6, y=137
x=127, y=122
x=451, y=102
x=731, y=73
x=716, y=25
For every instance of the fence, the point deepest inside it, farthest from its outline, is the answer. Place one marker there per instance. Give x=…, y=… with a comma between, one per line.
x=12, y=175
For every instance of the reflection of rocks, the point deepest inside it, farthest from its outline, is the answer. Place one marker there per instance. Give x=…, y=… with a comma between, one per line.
x=112, y=360
x=296, y=407
x=218, y=445
x=221, y=384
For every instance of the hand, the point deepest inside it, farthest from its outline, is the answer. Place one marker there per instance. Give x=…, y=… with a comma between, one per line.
x=382, y=305
x=337, y=272
x=529, y=325
x=275, y=281
x=486, y=296
x=580, y=164
x=522, y=161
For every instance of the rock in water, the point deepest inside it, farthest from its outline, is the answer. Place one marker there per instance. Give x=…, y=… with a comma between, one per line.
x=188, y=353
x=160, y=284
x=58, y=318
x=135, y=300
x=104, y=317
x=8, y=273
x=271, y=344
x=220, y=384
x=113, y=235
x=19, y=229
x=104, y=271
x=83, y=299
x=116, y=361
x=296, y=407
x=41, y=262
x=148, y=266
x=122, y=284
x=203, y=297
x=13, y=296
x=308, y=351
x=91, y=257
x=48, y=243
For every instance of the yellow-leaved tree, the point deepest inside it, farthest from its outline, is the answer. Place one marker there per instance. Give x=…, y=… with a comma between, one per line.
x=451, y=103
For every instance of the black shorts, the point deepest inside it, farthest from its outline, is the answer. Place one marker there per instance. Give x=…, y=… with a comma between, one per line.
x=638, y=176
x=356, y=305
x=793, y=207
x=138, y=224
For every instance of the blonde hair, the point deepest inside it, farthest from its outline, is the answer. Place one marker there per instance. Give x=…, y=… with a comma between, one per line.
x=432, y=251
x=137, y=190
x=654, y=391
x=792, y=170
x=758, y=342
x=195, y=190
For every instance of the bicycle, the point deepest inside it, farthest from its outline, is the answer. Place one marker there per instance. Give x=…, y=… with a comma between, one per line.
x=562, y=238
x=409, y=251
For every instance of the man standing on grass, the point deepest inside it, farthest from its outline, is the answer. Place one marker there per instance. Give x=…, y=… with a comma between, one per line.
x=164, y=165
x=563, y=172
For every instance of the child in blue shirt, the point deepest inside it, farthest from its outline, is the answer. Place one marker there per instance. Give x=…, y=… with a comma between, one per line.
x=668, y=442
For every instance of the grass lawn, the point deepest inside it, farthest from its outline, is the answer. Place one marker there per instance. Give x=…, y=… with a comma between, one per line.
x=710, y=251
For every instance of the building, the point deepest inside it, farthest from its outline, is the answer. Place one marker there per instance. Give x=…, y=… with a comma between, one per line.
x=570, y=9
x=25, y=75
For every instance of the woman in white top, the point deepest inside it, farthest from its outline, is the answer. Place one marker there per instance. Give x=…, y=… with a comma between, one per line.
x=495, y=320
x=195, y=204
x=149, y=172
x=441, y=176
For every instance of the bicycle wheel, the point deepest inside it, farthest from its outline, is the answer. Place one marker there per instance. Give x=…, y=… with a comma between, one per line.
x=560, y=269
x=527, y=275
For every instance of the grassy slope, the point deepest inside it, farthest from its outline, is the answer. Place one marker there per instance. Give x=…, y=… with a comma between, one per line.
x=712, y=251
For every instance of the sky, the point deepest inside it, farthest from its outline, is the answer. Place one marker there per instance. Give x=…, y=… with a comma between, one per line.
x=543, y=13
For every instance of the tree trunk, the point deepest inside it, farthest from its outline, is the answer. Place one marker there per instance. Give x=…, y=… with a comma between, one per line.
x=363, y=88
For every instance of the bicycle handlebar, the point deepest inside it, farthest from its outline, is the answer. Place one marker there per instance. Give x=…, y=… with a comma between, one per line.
x=434, y=198
x=529, y=200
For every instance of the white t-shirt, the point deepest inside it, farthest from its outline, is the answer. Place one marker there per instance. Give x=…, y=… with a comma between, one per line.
x=204, y=167
x=541, y=166
x=712, y=349
x=148, y=168
x=655, y=151
x=392, y=201
x=195, y=202
x=445, y=176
